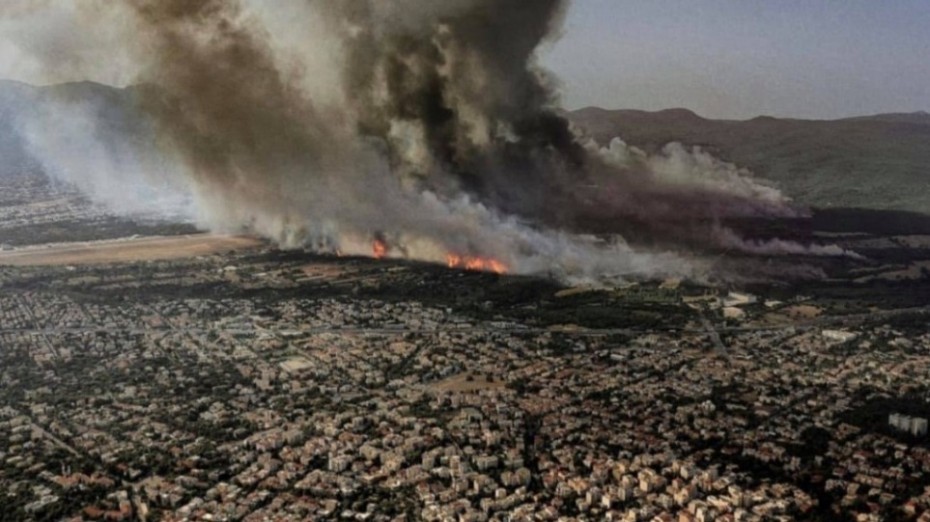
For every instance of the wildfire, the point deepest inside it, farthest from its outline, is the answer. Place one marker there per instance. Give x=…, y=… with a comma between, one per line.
x=477, y=264
x=379, y=249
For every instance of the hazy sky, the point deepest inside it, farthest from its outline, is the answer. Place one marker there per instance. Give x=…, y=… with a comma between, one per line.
x=720, y=58
x=741, y=58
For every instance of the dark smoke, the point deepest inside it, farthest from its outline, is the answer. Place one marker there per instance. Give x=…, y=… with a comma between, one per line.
x=438, y=133
x=466, y=82
x=247, y=134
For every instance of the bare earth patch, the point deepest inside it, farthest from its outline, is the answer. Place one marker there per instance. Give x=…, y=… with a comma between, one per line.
x=467, y=382
x=127, y=250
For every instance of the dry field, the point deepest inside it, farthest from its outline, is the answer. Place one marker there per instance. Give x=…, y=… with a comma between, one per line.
x=126, y=250
x=467, y=382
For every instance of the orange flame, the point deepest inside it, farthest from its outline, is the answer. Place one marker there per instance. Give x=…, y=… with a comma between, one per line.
x=379, y=249
x=476, y=264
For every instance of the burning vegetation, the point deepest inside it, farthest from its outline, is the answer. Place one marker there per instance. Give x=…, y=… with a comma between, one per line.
x=379, y=249
x=476, y=264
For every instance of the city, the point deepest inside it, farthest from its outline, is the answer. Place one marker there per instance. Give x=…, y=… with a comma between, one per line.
x=464, y=261
x=264, y=385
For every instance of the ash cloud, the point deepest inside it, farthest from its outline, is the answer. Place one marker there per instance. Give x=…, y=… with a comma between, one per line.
x=80, y=134
x=428, y=125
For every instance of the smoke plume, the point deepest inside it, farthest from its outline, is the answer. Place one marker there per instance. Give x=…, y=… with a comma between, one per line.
x=425, y=126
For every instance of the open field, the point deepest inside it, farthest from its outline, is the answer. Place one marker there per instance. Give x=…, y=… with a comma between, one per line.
x=127, y=250
x=467, y=382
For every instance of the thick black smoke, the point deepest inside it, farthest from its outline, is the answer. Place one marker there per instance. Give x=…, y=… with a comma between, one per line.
x=464, y=83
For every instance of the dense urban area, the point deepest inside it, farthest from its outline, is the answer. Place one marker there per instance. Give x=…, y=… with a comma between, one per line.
x=265, y=385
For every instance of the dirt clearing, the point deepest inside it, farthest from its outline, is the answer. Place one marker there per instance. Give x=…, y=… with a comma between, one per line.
x=126, y=250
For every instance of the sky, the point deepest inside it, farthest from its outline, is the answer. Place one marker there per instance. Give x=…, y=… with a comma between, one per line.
x=743, y=58
x=719, y=58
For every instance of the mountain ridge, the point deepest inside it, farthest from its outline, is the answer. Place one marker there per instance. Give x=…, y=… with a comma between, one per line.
x=920, y=115
x=879, y=161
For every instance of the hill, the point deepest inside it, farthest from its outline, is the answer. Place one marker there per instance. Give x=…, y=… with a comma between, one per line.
x=68, y=113
x=14, y=99
x=878, y=162
x=873, y=162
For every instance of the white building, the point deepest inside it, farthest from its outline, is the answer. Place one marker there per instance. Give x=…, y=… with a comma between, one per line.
x=916, y=426
x=840, y=336
x=919, y=427
x=739, y=299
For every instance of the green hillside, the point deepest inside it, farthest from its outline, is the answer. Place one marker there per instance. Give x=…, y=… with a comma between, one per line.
x=880, y=162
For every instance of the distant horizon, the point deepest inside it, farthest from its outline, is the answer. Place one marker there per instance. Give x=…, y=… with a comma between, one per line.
x=918, y=112
x=731, y=59
x=802, y=118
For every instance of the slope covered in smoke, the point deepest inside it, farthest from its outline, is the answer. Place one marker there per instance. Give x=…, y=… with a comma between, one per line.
x=15, y=99
x=878, y=162
x=93, y=137
x=107, y=113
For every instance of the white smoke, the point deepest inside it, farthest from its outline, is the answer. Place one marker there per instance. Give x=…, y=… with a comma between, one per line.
x=676, y=165
x=780, y=247
x=125, y=177
x=54, y=41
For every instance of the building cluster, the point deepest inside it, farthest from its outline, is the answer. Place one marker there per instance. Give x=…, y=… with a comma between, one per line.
x=36, y=211
x=916, y=426
x=30, y=201
x=175, y=391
